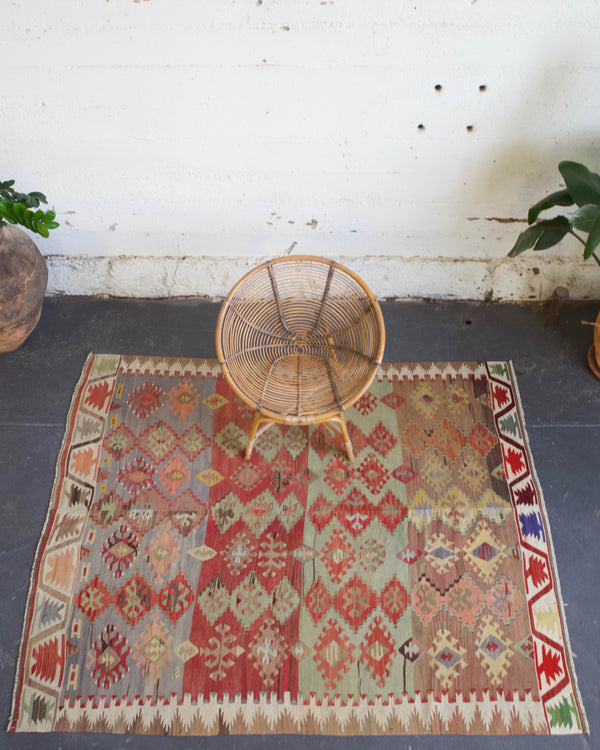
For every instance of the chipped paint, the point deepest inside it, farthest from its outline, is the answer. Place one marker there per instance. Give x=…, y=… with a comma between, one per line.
x=389, y=277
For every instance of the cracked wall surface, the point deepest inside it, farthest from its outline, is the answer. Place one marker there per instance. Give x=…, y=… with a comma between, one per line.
x=179, y=149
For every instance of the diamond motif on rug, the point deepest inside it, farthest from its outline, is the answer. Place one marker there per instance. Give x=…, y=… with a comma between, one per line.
x=182, y=399
x=137, y=476
x=226, y=511
x=378, y=651
x=249, y=601
x=373, y=474
x=145, y=400
x=108, y=658
x=93, y=599
x=119, y=550
x=333, y=654
x=119, y=442
x=268, y=650
x=338, y=556
x=247, y=476
x=158, y=441
x=317, y=601
x=152, y=650
x=355, y=602
x=447, y=658
x=493, y=649
x=214, y=600
x=394, y=600
x=338, y=475
x=176, y=598
x=134, y=599
x=193, y=442
x=222, y=652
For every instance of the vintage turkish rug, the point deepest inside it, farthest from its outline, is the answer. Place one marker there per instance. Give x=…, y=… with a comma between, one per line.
x=180, y=589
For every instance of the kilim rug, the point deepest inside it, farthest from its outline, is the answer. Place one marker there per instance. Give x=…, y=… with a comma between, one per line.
x=180, y=589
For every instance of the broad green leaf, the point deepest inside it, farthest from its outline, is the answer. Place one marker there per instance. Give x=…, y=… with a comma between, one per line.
x=593, y=240
x=583, y=185
x=541, y=236
x=585, y=217
x=39, y=197
x=560, y=198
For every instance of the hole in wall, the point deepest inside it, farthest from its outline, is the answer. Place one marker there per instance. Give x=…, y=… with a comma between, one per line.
x=468, y=322
x=470, y=128
x=483, y=87
x=438, y=87
x=420, y=126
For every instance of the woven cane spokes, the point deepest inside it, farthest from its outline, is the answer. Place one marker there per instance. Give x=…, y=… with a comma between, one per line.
x=300, y=338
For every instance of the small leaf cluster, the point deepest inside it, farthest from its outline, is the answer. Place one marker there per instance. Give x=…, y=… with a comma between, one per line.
x=582, y=189
x=16, y=208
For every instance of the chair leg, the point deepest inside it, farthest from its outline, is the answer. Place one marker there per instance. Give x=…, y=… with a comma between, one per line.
x=259, y=425
x=252, y=435
x=340, y=422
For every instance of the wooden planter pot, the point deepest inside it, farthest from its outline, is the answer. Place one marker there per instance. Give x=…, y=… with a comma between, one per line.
x=594, y=350
x=23, y=281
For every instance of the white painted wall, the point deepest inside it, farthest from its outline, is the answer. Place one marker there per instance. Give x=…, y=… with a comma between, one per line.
x=182, y=141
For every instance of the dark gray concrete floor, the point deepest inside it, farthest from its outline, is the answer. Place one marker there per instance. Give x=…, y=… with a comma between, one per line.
x=561, y=400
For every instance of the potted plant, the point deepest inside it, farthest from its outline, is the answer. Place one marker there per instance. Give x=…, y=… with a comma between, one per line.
x=582, y=188
x=23, y=272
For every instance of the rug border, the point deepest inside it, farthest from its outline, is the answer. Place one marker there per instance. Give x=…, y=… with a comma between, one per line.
x=44, y=538
x=551, y=554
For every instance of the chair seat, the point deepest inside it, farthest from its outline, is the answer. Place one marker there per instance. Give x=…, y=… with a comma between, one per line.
x=300, y=339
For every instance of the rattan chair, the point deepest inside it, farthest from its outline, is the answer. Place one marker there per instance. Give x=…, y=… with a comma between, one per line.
x=299, y=339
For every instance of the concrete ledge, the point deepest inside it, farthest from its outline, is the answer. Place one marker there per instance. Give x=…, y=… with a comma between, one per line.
x=529, y=277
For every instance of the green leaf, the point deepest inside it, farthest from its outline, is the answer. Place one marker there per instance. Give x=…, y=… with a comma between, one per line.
x=560, y=198
x=39, y=197
x=593, y=239
x=541, y=236
x=583, y=185
x=585, y=217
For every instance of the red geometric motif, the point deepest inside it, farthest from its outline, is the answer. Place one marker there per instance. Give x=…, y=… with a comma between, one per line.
x=107, y=659
x=481, y=439
x=145, y=400
x=378, y=651
x=317, y=600
x=321, y=512
x=48, y=659
x=93, y=599
x=355, y=513
x=500, y=395
x=120, y=550
x=514, y=460
x=404, y=474
x=97, y=395
x=119, y=442
x=337, y=556
x=182, y=399
x=357, y=438
x=338, y=474
x=355, y=602
x=381, y=439
x=391, y=512
x=134, y=599
x=193, y=442
x=366, y=403
x=373, y=474
x=158, y=441
x=394, y=600
x=174, y=475
x=333, y=654
x=447, y=439
x=393, y=400
x=137, y=476
x=321, y=441
x=176, y=598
